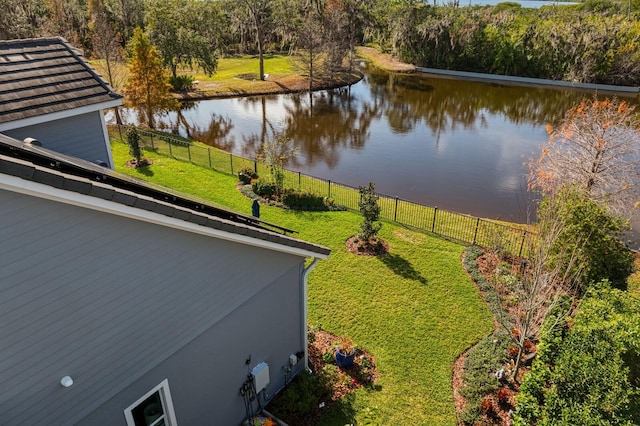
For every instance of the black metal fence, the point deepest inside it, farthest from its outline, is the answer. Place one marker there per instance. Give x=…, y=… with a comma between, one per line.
x=463, y=228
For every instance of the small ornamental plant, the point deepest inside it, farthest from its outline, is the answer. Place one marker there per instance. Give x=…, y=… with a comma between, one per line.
x=246, y=175
x=370, y=213
x=133, y=140
x=346, y=346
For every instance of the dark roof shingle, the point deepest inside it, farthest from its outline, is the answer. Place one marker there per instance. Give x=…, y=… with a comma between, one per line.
x=46, y=75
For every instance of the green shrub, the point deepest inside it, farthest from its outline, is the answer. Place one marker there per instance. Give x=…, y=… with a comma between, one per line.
x=181, y=83
x=303, y=200
x=246, y=175
x=479, y=378
x=133, y=140
x=593, y=232
x=264, y=189
x=592, y=376
x=301, y=397
x=370, y=210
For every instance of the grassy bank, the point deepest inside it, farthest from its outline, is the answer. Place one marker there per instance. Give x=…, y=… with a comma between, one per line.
x=238, y=75
x=414, y=309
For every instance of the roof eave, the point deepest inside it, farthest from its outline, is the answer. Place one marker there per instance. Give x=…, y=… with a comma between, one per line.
x=28, y=187
x=59, y=115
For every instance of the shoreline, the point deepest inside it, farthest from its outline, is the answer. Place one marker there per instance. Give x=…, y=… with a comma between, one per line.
x=528, y=81
x=296, y=83
x=273, y=85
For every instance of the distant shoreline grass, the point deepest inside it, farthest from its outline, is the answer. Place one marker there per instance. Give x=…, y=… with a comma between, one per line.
x=415, y=309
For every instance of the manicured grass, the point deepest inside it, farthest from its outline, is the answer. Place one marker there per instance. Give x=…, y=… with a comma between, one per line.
x=414, y=309
x=233, y=66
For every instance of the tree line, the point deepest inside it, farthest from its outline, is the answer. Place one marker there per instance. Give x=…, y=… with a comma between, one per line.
x=593, y=42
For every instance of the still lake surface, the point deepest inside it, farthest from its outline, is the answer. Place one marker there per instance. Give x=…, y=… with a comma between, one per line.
x=458, y=145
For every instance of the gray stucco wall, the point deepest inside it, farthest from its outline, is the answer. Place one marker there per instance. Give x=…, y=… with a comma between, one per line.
x=79, y=136
x=120, y=305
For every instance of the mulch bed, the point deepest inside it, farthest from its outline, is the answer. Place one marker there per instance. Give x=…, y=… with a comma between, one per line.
x=133, y=164
x=358, y=374
x=504, y=400
x=375, y=247
x=361, y=374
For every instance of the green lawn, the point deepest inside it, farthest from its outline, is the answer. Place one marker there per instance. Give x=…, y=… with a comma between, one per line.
x=414, y=309
x=230, y=67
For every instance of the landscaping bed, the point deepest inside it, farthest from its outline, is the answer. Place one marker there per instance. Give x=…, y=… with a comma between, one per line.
x=305, y=402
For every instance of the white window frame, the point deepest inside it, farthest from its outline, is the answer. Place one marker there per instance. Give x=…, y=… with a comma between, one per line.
x=165, y=399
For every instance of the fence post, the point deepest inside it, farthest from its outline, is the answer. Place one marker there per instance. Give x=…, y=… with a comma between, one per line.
x=435, y=212
x=230, y=161
x=329, y=188
x=170, y=151
x=299, y=180
x=189, y=152
x=255, y=166
x=153, y=146
x=475, y=234
x=395, y=212
x=524, y=236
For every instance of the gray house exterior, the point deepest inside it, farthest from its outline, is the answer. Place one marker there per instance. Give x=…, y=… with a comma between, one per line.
x=126, y=304
x=48, y=92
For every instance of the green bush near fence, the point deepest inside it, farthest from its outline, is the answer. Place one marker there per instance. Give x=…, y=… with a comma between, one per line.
x=246, y=175
x=264, y=189
x=303, y=200
x=458, y=227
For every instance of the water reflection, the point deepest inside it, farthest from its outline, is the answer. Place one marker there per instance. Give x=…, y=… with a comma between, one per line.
x=456, y=144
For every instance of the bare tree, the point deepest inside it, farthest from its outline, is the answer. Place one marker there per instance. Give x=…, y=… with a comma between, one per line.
x=551, y=272
x=106, y=47
x=337, y=37
x=597, y=148
x=276, y=153
x=310, y=45
x=258, y=10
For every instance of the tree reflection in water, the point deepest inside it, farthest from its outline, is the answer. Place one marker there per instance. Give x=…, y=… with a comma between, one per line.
x=456, y=144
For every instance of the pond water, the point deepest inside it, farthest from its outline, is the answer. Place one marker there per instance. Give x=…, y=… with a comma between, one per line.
x=458, y=145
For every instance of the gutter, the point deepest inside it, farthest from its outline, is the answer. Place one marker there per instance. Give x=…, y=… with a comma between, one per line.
x=305, y=310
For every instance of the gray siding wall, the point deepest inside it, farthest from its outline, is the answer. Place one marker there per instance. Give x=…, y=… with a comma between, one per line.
x=205, y=376
x=79, y=136
x=117, y=303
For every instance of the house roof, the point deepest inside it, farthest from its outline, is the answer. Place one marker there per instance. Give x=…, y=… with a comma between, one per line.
x=47, y=75
x=58, y=171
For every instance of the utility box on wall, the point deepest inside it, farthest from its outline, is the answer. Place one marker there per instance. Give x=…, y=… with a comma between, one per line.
x=260, y=375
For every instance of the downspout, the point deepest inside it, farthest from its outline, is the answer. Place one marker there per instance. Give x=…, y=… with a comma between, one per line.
x=305, y=310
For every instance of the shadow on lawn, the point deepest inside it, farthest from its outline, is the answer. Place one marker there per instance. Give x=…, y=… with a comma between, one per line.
x=340, y=413
x=402, y=267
